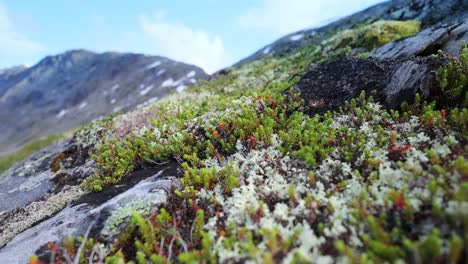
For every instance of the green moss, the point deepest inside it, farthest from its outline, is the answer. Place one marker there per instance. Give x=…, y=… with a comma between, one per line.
x=377, y=34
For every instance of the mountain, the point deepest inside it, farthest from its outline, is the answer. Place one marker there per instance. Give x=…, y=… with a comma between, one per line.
x=348, y=149
x=64, y=91
x=7, y=74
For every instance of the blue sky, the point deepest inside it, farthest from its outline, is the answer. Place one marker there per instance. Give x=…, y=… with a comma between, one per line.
x=209, y=33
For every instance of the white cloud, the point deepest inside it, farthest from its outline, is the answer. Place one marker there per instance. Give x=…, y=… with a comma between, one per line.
x=178, y=41
x=284, y=17
x=13, y=41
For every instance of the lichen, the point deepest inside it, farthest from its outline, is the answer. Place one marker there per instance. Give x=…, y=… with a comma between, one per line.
x=13, y=223
x=126, y=208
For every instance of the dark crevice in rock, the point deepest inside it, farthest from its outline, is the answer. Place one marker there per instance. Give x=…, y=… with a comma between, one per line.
x=430, y=50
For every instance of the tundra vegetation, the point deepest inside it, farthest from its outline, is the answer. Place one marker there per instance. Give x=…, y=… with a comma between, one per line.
x=262, y=181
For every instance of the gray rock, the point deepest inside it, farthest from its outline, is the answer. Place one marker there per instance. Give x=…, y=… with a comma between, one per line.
x=29, y=179
x=447, y=37
x=32, y=178
x=64, y=91
x=103, y=215
x=409, y=77
x=16, y=221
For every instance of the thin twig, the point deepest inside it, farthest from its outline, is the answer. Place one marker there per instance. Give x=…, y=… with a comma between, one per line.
x=182, y=242
x=102, y=255
x=161, y=246
x=91, y=256
x=191, y=230
x=67, y=257
x=85, y=238
x=170, y=247
x=179, y=236
x=158, y=163
x=52, y=257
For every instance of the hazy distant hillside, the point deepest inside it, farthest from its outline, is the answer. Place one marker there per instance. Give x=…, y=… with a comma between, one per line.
x=66, y=90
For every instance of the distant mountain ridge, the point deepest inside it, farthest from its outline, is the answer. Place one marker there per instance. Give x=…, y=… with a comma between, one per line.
x=12, y=70
x=69, y=89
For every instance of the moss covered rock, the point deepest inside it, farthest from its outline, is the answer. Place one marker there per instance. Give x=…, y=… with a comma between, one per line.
x=378, y=34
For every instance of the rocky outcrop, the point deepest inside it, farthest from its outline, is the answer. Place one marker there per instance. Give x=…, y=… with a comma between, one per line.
x=327, y=86
x=40, y=203
x=446, y=37
x=64, y=91
x=394, y=73
x=100, y=215
x=36, y=188
x=429, y=12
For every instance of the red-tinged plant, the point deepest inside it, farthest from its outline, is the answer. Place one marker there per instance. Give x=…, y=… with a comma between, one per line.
x=257, y=216
x=35, y=260
x=216, y=134
x=56, y=253
x=252, y=142
x=222, y=126
x=399, y=202
x=273, y=104
x=396, y=152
